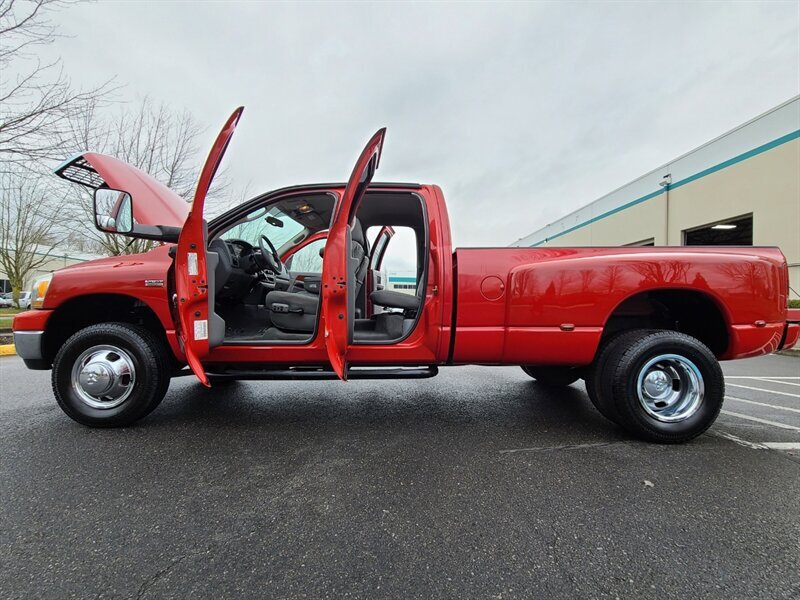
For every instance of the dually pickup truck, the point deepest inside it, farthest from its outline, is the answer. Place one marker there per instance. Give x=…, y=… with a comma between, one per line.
x=289, y=285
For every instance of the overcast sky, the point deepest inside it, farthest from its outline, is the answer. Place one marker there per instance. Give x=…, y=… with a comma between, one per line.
x=521, y=113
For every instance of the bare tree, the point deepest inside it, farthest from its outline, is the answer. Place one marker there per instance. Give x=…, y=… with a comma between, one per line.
x=148, y=135
x=37, y=101
x=27, y=218
x=151, y=137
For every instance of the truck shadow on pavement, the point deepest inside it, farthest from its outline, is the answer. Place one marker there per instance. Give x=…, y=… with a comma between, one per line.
x=517, y=406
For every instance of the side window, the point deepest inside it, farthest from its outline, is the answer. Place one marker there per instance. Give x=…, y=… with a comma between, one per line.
x=307, y=259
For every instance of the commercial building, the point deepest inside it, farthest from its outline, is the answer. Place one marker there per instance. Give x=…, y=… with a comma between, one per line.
x=742, y=188
x=402, y=281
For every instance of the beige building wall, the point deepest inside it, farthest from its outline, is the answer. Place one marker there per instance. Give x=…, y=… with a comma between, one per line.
x=630, y=226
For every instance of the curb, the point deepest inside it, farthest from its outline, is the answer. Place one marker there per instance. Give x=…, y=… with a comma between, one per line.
x=7, y=350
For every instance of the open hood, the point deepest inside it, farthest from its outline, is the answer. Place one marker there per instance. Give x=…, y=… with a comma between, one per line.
x=153, y=202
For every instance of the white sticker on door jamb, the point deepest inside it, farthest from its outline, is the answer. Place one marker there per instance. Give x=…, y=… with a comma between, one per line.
x=192, y=259
x=201, y=329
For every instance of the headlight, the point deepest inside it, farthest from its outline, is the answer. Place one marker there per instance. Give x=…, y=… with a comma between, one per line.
x=39, y=290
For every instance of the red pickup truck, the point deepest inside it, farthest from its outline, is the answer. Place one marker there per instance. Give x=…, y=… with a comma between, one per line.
x=241, y=297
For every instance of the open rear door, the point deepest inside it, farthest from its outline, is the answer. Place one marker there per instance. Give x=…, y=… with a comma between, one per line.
x=194, y=307
x=338, y=297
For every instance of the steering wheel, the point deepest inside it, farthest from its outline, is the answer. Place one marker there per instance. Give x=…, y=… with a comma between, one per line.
x=270, y=255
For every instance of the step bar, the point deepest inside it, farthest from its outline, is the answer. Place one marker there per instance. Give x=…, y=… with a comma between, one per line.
x=322, y=373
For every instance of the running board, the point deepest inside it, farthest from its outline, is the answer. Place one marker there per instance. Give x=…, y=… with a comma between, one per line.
x=325, y=374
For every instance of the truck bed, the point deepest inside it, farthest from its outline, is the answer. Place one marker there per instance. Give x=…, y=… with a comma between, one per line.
x=551, y=305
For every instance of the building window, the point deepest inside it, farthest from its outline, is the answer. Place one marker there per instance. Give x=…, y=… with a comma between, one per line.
x=647, y=242
x=737, y=231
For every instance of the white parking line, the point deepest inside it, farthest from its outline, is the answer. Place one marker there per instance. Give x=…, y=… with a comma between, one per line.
x=757, y=445
x=755, y=389
x=769, y=380
x=782, y=445
x=737, y=440
x=757, y=420
x=775, y=406
x=758, y=377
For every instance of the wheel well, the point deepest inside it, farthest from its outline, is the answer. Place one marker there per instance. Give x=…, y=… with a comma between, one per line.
x=690, y=312
x=80, y=312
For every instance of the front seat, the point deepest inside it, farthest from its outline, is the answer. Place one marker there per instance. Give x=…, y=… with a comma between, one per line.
x=297, y=311
x=293, y=311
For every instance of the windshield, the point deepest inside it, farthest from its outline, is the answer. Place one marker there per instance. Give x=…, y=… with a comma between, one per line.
x=254, y=225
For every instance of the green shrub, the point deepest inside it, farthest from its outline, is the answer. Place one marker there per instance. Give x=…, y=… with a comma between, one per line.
x=794, y=303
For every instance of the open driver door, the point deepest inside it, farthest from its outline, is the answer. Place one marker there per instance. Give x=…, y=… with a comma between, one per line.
x=198, y=328
x=338, y=293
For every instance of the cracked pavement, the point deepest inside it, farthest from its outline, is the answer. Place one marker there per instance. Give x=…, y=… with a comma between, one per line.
x=478, y=483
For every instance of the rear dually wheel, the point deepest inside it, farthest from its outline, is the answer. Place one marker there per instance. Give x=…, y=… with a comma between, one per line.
x=661, y=386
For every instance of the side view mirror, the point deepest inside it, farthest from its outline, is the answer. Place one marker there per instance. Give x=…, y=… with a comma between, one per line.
x=113, y=211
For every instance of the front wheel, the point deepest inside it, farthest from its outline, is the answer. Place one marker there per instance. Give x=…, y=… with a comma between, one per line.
x=553, y=376
x=110, y=375
x=662, y=386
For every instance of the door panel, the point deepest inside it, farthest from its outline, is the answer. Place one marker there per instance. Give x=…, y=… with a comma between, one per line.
x=199, y=328
x=338, y=298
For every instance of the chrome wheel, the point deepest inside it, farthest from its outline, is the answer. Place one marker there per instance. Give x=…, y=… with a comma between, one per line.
x=103, y=376
x=670, y=388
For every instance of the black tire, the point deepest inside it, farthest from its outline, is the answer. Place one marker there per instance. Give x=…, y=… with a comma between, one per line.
x=141, y=349
x=553, y=376
x=593, y=376
x=693, y=367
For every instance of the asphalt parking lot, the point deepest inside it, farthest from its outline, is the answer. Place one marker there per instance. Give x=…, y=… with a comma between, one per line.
x=478, y=483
